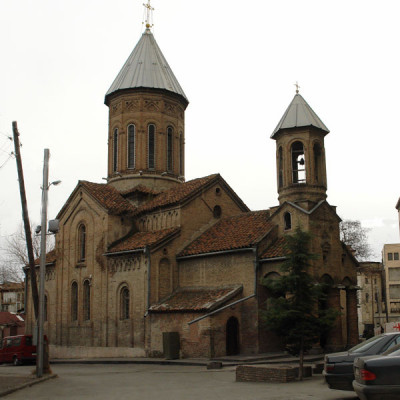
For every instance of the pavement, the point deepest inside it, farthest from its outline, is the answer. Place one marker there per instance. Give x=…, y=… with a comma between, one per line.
x=14, y=378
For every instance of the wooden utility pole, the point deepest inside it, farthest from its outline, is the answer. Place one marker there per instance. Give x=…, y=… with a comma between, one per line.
x=25, y=216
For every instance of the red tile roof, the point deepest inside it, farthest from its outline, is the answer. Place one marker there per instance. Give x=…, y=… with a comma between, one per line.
x=51, y=258
x=277, y=249
x=241, y=231
x=11, y=319
x=197, y=299
x=140, y=189
x=141, y=239
x=109, y=198
x=177, y=194
x=12, y=286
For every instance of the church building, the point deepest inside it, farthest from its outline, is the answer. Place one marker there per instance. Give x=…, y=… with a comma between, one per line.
x=148, y=258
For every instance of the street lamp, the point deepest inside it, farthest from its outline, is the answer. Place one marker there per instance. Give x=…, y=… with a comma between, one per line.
x=45, y=189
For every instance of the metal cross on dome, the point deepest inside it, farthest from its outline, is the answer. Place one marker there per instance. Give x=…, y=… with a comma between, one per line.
x=149, y=14
x=297, y=87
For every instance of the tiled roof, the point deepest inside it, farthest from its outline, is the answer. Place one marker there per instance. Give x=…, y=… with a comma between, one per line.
x=177, y=194
x=277, y=249
x=240, y=231
x=11, y=319
x=197, y=299
x=12, y=286
x=51, y=258
x=139, y=189
x=109, y=198
x=141, y=239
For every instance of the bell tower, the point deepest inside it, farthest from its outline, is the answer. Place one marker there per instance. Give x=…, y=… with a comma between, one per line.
x=300, y=155
x=146, y=134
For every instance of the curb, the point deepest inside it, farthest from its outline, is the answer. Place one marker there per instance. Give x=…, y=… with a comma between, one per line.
x=27, y=384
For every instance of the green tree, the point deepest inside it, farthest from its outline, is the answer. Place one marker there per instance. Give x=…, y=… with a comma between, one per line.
x=293, y=310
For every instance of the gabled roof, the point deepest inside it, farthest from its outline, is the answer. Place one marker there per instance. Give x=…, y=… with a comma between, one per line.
x=139, y=189
x=237, y=232
x=11, y=319
x=106, y=195
x=51, y=258
x=12, y=286
x=299, y=114
x=146, y=67
x=197, y=299
x=185, y=191
x=140, y=240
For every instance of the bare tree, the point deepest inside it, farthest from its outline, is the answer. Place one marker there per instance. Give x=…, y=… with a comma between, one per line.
x=356, y=237
x=15, y=254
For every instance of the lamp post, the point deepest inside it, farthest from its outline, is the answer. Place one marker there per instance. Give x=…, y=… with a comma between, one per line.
x=45, y=189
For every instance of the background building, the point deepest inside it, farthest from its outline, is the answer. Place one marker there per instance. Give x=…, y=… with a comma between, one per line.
x=12, y=296
x=391, y=264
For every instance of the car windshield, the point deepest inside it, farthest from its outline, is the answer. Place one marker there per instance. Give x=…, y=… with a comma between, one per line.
x=393, y=351
x=364, y=346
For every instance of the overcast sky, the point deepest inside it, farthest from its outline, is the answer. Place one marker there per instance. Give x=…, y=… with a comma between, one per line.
x=237, y=62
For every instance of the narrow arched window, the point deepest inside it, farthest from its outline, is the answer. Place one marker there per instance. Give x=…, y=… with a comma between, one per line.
x=115, y=150
x=151, y=145
x=86, y=300
x=81, y=243
x=317, y=163
x=298, y=163
x=124, y=303
x=287, y=220
x=131, y=146
x=74, y=301
x=181, y=153
x=280, y=167
x=170, y=145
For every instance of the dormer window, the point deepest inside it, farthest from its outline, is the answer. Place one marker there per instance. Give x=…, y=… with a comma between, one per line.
x=287, y=218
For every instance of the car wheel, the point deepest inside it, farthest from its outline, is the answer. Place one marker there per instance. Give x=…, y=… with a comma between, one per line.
x=16, y=361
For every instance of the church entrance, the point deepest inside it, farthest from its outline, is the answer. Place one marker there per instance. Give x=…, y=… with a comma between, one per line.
x=232, y=336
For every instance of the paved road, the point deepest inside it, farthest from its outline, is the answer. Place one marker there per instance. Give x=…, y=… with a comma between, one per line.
x=163, y=382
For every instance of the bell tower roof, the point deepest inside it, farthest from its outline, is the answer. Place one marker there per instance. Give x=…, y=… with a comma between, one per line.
x=146, y=67
x=299, y=114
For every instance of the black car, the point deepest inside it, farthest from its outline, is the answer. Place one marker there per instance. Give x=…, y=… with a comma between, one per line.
x=338, y=369
x=377, y=377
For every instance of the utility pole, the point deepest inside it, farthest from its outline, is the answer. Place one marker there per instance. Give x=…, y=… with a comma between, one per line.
x=25, y=216
x=45, y=188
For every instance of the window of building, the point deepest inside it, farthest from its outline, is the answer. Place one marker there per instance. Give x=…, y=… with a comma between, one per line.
x=366, y=280
x=394, y=274
x=81, y=243
x=181, y=153
x=74, y=301
x=366, y=297
x=151, y=143
x=280, y=167
x=298, y=163
x=287, y=217
x=317, y=163
x=394, y=291
x=395, y=256
x=124, y=303
x=86, y=300
x=390, y=256
x=115, y=150
x=170, y=146
x=131, y=146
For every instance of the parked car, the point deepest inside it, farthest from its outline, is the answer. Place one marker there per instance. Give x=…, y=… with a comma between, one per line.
x=17, y=350
x=338, y=369
x=377, y=377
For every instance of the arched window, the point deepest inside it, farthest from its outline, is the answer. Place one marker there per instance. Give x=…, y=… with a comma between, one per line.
x=151, y=144
x=131, y=146
x=317, y=163
x=81, y=243
x=280, y=167
x=217, y=211
x=287, y=220
x=74, y=301
x=124, y=303
x=181, y=153
x=115, y=150
x=298, y=163
x=170, y=145
x=86, y=300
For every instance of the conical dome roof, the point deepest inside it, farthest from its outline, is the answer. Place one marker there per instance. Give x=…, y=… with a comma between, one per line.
x=299, y=114
x=146, y=67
